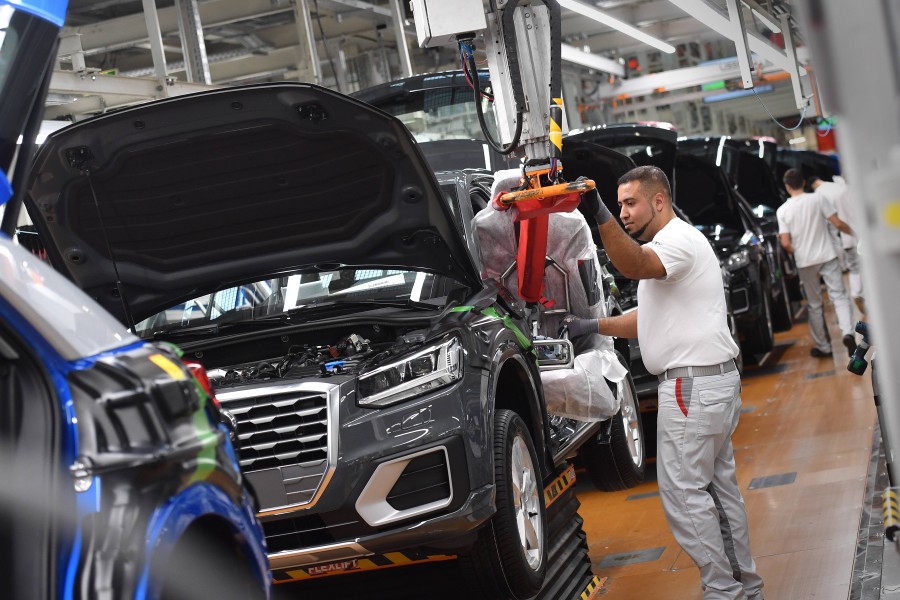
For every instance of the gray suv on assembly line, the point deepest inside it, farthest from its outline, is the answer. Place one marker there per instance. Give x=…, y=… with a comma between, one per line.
x=295, y=242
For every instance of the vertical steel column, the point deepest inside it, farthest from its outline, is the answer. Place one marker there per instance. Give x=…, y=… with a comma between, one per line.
x=739, y=36
x=156, y=46
x=794, y=69
x=402, y=46
x=193, y=46
x=308, y=59
x=341, y=75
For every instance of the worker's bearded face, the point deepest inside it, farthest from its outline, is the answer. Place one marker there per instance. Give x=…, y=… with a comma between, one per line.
x=637, y=211
x=637, y=230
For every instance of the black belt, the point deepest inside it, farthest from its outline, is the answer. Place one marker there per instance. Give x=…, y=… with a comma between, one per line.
x=719, y=369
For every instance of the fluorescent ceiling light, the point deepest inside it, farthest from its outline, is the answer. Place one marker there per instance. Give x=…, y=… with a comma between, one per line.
x=592, y=61
x=610, y=21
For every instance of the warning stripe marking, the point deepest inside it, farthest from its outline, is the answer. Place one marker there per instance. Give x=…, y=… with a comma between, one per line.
x=594, y=588
x=890, y=509
x=171, y=369
x=357, y=565
x=559, y=485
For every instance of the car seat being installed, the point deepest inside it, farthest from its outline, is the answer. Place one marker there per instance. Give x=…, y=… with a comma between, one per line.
x=572, y=284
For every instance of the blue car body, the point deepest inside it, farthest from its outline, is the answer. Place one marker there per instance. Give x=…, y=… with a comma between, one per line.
x=119, y=478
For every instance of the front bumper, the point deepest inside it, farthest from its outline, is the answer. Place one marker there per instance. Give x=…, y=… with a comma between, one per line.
x=444, y=533
x=410, y=475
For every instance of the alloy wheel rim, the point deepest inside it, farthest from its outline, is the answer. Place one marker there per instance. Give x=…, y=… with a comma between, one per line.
x=630, y=424
x=526, y=503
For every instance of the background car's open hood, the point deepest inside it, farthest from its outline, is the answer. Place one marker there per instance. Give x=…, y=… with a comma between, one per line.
x=644, y=144
x=177, y=198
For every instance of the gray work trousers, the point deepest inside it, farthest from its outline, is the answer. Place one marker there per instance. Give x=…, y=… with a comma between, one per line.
x=698, y=486
x=851, y=259
x=834, y=283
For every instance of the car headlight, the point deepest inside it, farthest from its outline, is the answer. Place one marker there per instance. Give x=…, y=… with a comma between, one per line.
x=414, y=375
x=738, y=260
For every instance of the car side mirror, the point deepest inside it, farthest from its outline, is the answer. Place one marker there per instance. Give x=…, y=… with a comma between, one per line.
x=554, y=354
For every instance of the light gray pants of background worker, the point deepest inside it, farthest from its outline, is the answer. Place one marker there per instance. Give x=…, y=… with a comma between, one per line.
x=698, y=486
x=851, y=260
x=834, y=283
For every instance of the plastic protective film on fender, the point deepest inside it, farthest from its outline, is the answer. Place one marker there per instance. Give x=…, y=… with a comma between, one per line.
x=581, y=392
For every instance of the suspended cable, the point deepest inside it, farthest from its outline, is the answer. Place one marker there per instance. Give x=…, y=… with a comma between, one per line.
x=797, y=126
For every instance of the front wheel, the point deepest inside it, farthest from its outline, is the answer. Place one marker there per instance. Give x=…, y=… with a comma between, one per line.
x=617, y=463
x=514, y=544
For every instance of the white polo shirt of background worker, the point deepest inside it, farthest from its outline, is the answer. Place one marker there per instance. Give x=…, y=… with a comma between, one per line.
x=838, y=193
x=803, y=230
x=685, y=341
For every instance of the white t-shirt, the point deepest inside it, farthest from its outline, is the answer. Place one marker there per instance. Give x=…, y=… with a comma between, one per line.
x=805, y=217
x=839, y=196
x=682, y=321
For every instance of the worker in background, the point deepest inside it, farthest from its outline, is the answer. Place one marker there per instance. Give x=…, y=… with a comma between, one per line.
x=839, y=195
x=803, y=230
x=684, y=337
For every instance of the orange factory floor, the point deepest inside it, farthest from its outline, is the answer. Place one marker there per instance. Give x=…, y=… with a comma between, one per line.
x=800, y=415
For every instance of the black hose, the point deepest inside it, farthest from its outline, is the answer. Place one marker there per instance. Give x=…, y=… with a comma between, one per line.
x=471, y=69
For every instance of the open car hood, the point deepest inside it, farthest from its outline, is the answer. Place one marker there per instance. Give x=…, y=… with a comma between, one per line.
x=181, y=197
x=644, y=144
x=604, y=165
x=747, y=171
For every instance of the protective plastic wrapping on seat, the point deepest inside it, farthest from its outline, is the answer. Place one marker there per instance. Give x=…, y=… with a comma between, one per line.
x=579, y=393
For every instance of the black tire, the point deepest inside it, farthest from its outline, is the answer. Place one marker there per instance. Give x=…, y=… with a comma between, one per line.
x=761, y=338
x=208, y=564
x=782, y=314
x=502, y=563
x=618, y=463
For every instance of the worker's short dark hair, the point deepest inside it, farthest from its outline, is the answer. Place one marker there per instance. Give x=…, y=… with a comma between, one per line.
x=652, y=177
x=793, y=179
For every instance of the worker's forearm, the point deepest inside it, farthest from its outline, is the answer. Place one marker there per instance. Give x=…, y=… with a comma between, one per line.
x=623, y=326
x=625, y=253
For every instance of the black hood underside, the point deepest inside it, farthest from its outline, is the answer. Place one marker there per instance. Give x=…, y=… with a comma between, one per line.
x=180, y=197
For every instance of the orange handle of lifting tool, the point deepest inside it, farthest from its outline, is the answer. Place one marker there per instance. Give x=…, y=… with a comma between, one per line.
x=559, y=189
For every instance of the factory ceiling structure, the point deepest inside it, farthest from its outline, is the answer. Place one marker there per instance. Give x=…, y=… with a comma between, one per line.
x=119, y=52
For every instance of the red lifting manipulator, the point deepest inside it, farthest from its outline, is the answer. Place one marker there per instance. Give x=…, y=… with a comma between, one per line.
x=534, y=204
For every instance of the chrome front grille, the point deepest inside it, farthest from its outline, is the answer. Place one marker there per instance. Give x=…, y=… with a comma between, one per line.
x=282, y=441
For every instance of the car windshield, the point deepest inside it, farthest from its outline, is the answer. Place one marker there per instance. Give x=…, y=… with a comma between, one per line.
x=446, y=113
x=298, y=293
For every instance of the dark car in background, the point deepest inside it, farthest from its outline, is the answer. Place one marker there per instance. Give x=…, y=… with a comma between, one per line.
x=702, y=191
x=439, y=110
x=296, y=242
x=809, y=162
x=756, y=185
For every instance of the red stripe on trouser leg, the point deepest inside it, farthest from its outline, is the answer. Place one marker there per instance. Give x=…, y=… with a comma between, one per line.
x=678, y=396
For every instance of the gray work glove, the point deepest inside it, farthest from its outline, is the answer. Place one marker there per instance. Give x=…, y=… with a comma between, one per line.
x=577, y=327
x=593, y=205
